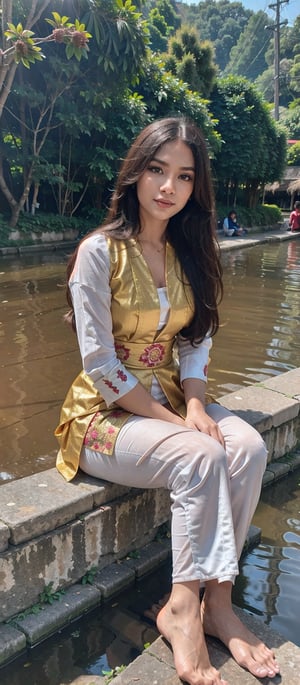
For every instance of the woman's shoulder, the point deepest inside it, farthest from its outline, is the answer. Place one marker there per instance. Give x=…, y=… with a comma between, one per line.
x=93, y=240
x=92, y=256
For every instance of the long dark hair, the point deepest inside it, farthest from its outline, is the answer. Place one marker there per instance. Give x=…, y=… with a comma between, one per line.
x=192, y=232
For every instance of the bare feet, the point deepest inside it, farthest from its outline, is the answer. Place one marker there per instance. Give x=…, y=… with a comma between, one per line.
x=219, y=620
x=179, y=622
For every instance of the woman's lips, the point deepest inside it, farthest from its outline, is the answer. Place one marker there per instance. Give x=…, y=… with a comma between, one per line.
x=164, y=203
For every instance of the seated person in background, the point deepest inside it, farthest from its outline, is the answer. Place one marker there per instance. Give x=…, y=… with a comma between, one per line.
x=294, y=220
x=231, y=226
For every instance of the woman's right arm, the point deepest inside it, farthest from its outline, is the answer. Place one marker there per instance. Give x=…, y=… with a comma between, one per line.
x=91, y=295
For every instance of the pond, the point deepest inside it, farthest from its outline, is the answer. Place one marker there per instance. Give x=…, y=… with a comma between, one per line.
x=259, y=338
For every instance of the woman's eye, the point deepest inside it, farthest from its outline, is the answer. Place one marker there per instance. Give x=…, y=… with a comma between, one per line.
x=186, y=177
x=155, y=169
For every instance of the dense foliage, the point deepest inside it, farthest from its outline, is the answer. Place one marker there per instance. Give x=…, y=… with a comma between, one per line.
x=66, y=122
x=253, y=152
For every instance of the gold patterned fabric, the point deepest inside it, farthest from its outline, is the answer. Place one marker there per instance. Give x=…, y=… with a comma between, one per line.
x=143, y=350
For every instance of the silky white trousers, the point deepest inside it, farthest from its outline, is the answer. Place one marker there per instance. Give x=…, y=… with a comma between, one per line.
x=214, y=491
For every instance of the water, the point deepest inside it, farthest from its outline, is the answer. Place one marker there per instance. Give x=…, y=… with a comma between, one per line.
x=115, y=633
x=259, y=338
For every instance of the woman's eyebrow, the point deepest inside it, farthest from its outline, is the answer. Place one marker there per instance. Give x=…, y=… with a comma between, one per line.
x=161, y=161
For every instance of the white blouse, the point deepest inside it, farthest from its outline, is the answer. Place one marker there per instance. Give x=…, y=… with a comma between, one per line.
x=91, y=296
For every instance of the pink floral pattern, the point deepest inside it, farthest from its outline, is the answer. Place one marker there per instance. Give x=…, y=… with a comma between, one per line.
x=152, y=355
x=112, y=386
x=122, y=376
x=122, y=352
x=97, y=441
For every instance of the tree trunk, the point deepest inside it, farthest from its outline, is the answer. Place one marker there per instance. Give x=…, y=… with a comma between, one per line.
x=16, y=206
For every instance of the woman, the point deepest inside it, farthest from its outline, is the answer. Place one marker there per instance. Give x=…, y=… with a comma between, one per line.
x=231, y=226
x=146, y=282
x=294, y=218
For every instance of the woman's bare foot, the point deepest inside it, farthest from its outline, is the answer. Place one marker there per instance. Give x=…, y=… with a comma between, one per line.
x=179, y=621
x=219, y=620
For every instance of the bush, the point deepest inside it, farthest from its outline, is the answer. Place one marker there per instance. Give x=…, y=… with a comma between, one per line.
x=41, y=223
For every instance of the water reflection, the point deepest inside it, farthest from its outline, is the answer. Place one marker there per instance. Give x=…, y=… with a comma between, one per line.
x=260, y=313
x=259, y=338
x=270, y=572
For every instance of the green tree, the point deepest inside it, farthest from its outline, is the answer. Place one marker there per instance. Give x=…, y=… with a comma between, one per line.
x=221, y=22
x=289, y=74
x=121, y=36
x=33, y=100
x=158, y=29
x=169, y=11
x=293, y=155
x=20, y=48
x=84, y=155
x=165, y=95
x=162, y=20
x=291, y=121
x=191, y=60
x=254, y=146
x=247, y=57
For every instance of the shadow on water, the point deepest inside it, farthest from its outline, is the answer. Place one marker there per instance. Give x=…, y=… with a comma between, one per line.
x=115, y=633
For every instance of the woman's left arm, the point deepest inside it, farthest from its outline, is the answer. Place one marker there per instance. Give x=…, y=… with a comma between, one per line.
x=196, y=416
x=193, y=374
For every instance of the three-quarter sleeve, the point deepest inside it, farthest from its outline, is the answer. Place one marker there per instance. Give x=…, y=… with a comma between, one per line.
x=193, y=361
x=91, y=297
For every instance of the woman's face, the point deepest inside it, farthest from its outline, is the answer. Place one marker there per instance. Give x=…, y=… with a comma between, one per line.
x=167, y=183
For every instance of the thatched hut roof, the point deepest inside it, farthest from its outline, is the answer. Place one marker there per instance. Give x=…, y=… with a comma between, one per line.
x=294, y=186
x=290, y=182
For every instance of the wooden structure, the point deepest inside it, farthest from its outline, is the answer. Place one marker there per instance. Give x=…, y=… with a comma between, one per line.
x=284, y=193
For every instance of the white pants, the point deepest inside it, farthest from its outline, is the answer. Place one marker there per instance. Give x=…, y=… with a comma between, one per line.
x=214, y=491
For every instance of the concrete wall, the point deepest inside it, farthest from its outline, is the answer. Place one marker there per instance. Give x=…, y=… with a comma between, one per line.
x=54, y=532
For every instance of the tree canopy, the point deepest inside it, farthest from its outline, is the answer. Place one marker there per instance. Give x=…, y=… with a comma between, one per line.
x=253, y=152
x=191, y=60
x=66, y=122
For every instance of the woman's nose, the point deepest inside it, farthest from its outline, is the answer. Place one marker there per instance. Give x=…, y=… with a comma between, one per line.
x=167, y=186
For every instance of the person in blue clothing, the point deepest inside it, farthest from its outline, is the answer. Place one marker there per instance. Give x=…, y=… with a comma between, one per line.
x=231, y=227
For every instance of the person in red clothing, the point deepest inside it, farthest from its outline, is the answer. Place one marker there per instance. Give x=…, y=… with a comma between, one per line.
x=294, y=220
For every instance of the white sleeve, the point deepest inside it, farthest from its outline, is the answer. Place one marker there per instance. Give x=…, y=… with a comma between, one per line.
x=91, y=297
x=193, y=361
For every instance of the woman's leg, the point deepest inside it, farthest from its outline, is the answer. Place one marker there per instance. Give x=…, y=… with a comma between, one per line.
x=219, y=620
x=247, y=455
x=193, y=467
x=247, y=458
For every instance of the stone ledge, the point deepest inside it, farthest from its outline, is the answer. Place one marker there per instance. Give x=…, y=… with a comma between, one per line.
x=149, y=557
x=113, y=579
x=287, y=384
x=261, y=406
x=156, y=664
x=76, y=601
x=4, y=536
x=12, y=643
x=37, y=504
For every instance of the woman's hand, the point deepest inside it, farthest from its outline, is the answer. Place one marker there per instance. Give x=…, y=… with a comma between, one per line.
x=199, y=420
